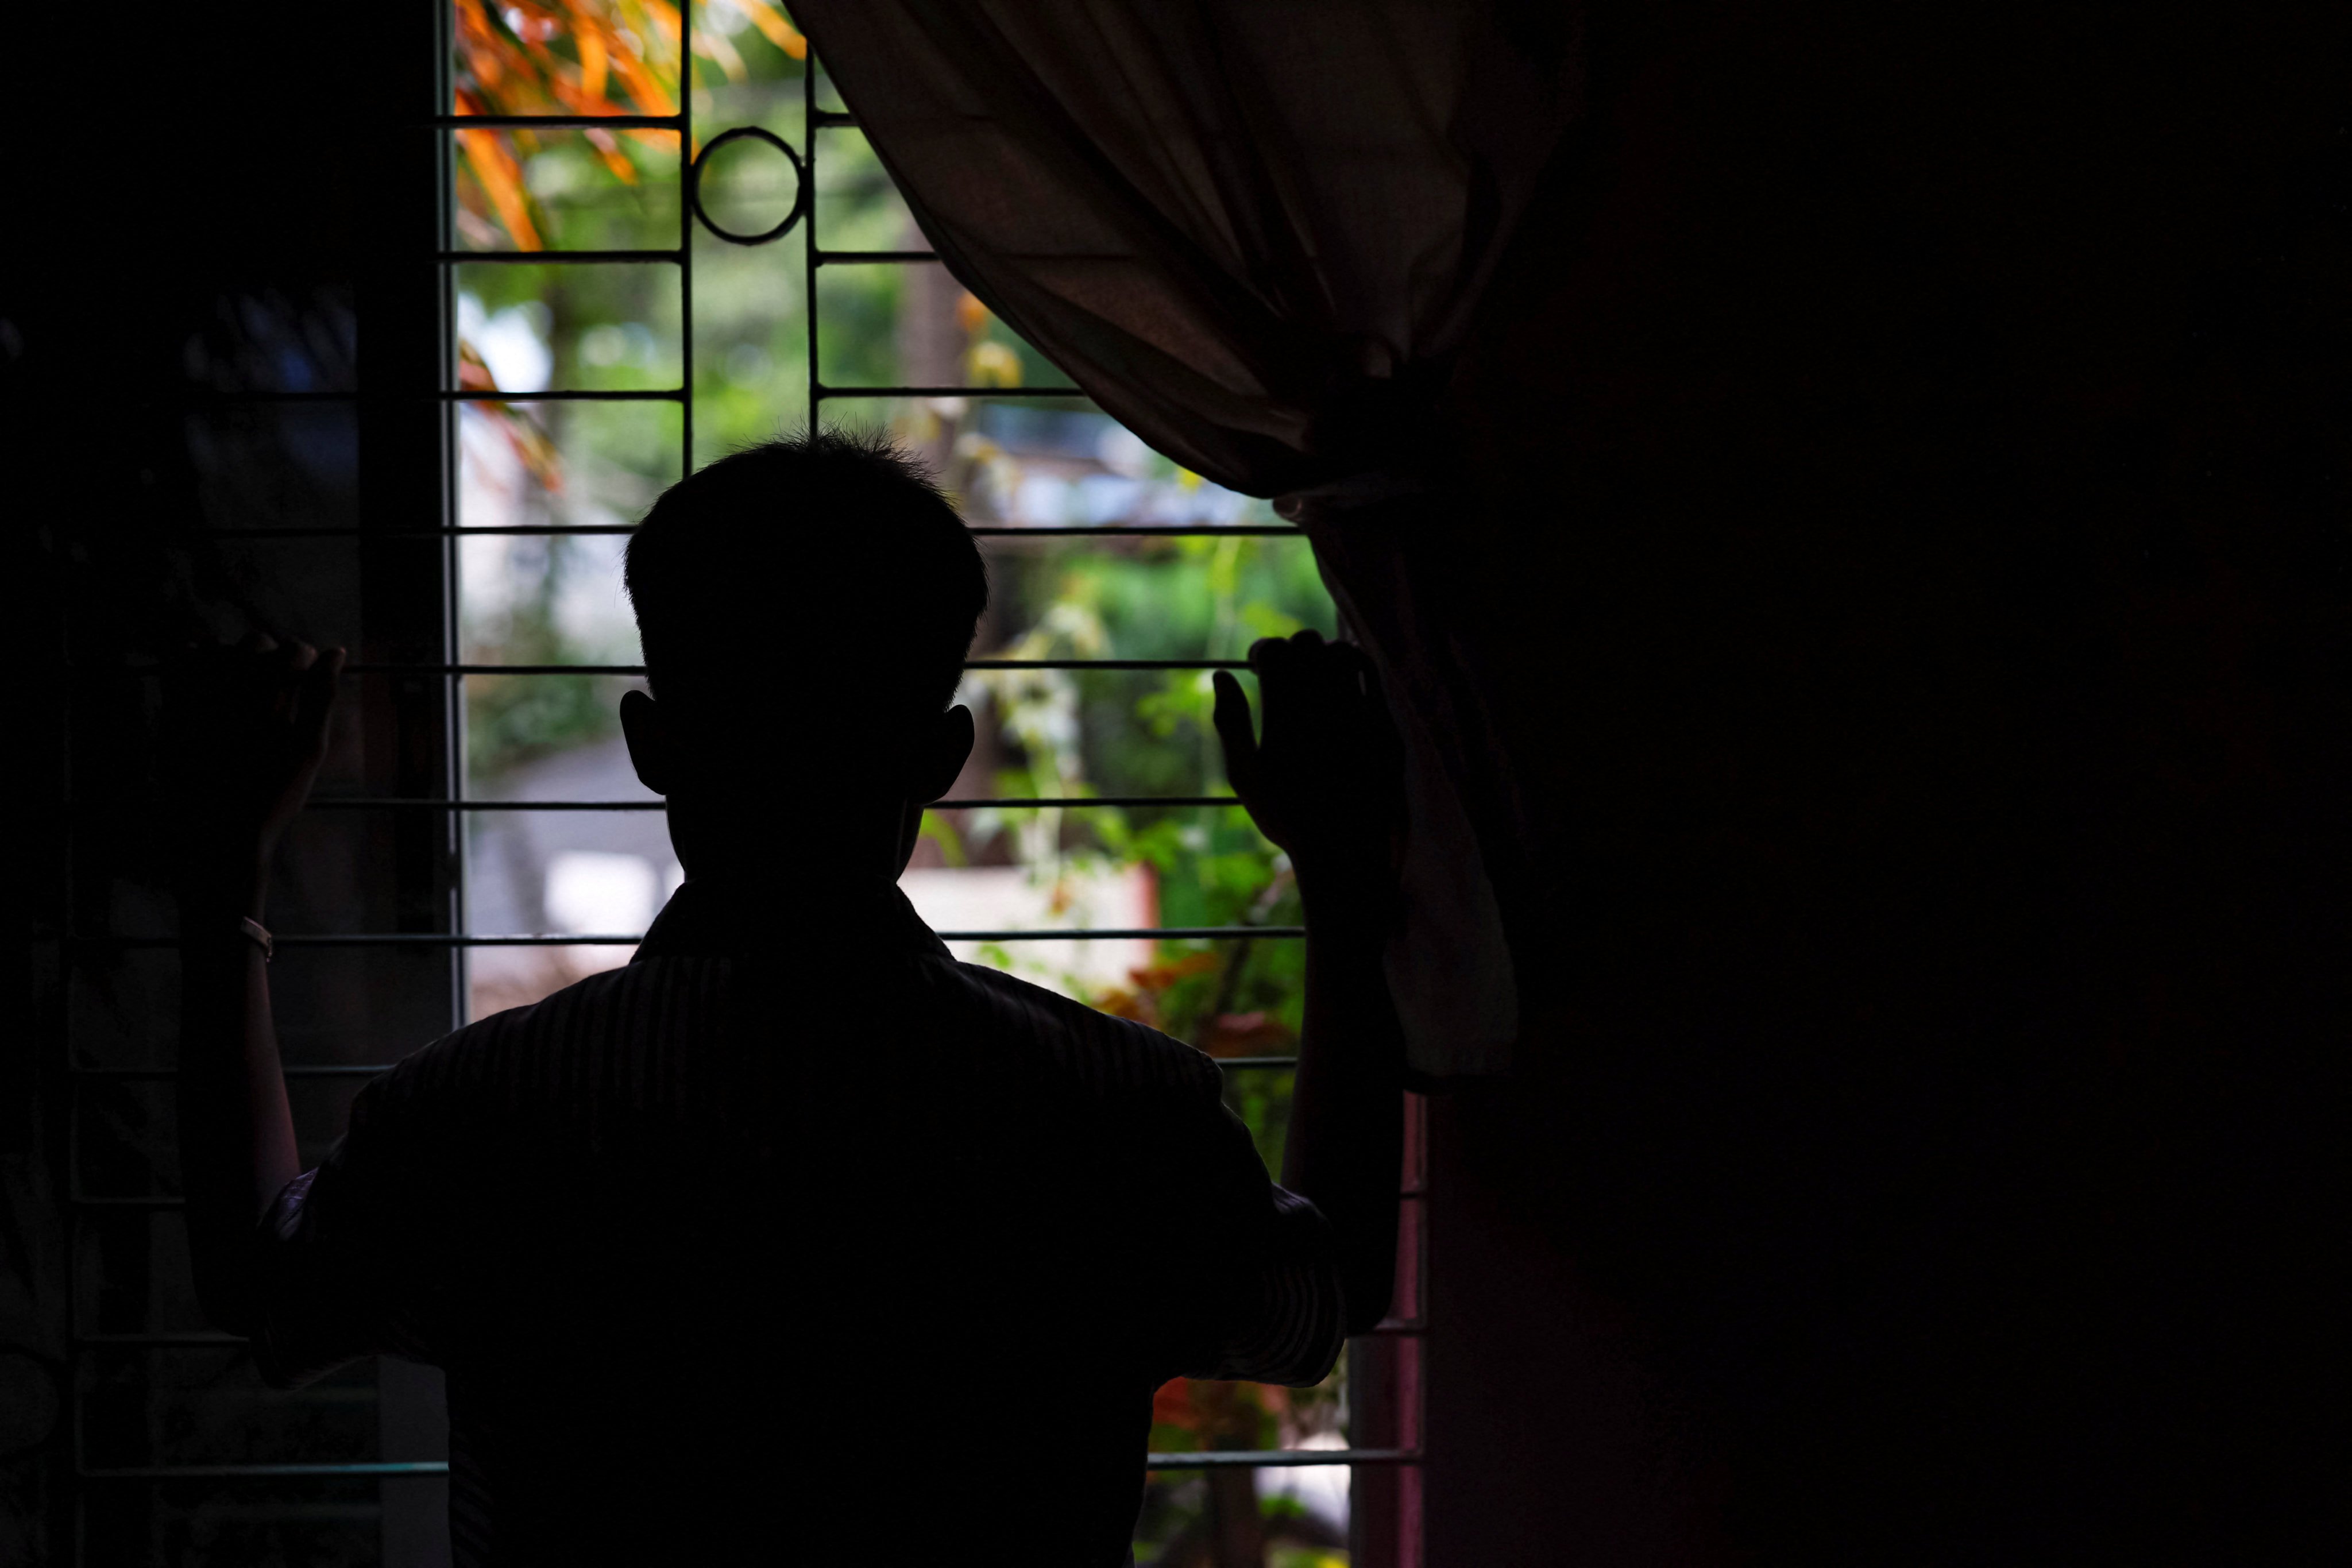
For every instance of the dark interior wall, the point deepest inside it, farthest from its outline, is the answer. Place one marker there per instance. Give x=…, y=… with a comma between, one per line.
x=1900, y=573
x=1903, y=584
x=208, y=207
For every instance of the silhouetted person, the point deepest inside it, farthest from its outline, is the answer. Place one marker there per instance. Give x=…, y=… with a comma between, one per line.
x=795, y=1240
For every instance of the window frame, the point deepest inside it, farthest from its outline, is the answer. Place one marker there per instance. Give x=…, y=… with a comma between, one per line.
x=412, y=678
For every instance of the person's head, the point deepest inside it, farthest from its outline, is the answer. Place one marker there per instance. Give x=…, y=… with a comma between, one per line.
x=805, y=607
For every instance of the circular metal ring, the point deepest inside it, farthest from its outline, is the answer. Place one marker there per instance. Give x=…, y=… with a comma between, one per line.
x=800, y=185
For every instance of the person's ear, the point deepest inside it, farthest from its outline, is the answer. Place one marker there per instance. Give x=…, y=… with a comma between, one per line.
x=649, y=747
x=945, y=748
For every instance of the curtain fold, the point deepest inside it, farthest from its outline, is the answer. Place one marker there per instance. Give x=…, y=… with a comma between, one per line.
x=1256, y=234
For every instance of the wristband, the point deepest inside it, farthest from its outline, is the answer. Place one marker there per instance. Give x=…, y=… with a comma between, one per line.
x=254, y=932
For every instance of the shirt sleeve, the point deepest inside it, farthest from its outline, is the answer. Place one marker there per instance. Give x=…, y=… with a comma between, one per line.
x=348, y=1253
x=1281, y=1316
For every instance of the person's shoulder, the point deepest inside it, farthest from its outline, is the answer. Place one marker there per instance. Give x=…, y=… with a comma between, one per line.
x=1098, y=1052
x=506, y=1047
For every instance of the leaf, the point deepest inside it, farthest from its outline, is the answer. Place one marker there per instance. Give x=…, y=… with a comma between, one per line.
x=473, y=371
x=1171, y=1405
x=715, y=47
x=493, y=162
x=531, y=445
x=651, y=97
x=608, y=152
x=772, y=22
x=593, y=61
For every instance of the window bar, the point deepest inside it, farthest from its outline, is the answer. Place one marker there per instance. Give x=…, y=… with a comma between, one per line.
x=591, y=395
x=213, y=1339
x=455, y=908
x=839, y=392
x=1007, y=531
x=561, y=122
x=639, y=669
x=1216, y=1459
x=369, y=1070
x=809, y=122
x=546, y=258
x=685, y=235
x=453, y=703
x=631, y=939
x=454, y=671
x=139, y=671
x=452, y=439
x=218, y=395
x=953, y=803
x=167, y=1202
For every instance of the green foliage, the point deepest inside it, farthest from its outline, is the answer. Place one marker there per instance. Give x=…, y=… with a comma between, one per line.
x=1149, y=732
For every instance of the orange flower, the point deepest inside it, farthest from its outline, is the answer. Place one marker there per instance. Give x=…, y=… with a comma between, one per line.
x=1172, y=1406
x=1244, y=1035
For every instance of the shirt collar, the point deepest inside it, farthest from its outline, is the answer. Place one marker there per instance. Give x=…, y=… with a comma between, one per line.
x=711, y=916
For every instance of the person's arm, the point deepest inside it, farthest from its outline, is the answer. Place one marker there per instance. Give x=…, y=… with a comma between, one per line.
x=251, y=728
x=1326, y=783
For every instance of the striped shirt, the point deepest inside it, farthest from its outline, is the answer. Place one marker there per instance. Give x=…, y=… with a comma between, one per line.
x=790, y=1244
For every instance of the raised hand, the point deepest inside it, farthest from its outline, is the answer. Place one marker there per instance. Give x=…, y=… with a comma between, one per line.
x=246, y=730
x=1326, y=780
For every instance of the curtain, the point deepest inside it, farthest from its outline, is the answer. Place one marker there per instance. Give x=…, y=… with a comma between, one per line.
x=1254, y=233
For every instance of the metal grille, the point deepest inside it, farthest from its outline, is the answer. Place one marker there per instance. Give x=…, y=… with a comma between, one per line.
x=450, y=805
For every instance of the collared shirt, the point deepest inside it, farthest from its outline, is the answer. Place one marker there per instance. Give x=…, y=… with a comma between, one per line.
x=795, y=1244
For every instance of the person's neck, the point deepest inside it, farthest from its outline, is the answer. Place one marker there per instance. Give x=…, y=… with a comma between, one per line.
x=843, y=860
x=816, y=884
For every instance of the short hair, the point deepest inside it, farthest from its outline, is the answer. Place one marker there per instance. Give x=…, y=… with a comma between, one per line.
x=827, y=564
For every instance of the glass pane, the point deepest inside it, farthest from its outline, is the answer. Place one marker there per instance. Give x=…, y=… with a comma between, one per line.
x=557, y=464
x=587, y=327
x=567, y=190
x=751, y=318
x=1018, y=462
x=261, y=465
x=589, y=873
x=1061, y=732
x=571, y=873
x=334, y=1004
x=858, y=207
x=529, y=598
x=271, y=340
x=751, y=344
x=828, y=98
x=1083, y=891
x=1146, y=595
x=132, y=1273
x=565, y=57
x=127, y=1134
x=1298, y=1513
x=911, y=324
x=1008, y=870
x=219, y=1524
x=515, y=721
x=747, y=60
x=196, y=1407
x=750, y=186
x=497, y=978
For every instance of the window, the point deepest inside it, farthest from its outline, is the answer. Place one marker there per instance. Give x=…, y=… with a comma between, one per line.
x=655, y=235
